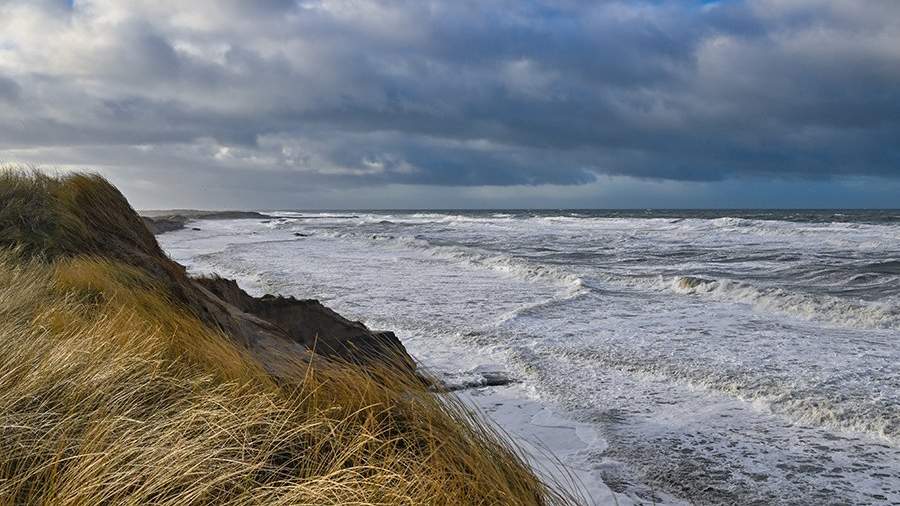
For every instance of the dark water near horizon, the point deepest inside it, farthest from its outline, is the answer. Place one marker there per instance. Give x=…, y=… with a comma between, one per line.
x=795, y=215
x=726, y=356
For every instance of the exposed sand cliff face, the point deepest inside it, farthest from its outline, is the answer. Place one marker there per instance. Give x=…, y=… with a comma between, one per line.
x=313, y=325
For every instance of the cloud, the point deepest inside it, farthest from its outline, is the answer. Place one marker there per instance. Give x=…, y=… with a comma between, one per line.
x=9, y=89
x=371, y=93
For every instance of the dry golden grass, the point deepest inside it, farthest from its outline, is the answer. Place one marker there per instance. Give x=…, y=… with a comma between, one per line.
x=112, y=392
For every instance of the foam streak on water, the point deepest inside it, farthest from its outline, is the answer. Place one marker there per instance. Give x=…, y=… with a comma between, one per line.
x=725, y=357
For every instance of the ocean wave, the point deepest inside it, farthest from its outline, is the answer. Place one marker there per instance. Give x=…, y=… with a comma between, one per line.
x=835, y=310
x=505, y=264
x=280, y=222
x=885, y=267
x=534, y=307
x=840, y=402
x=520, y=268
x=729, y=221
x=831, y=408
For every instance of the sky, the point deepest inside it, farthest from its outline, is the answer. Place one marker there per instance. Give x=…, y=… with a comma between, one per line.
x=351, y=104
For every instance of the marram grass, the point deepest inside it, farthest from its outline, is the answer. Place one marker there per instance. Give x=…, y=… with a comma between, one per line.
x=111, y=392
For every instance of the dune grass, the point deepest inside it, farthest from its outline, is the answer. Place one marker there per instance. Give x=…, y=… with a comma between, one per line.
x=113, y=392
x=73, y=214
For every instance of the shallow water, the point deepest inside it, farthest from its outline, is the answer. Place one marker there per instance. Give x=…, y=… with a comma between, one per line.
x=737, y=357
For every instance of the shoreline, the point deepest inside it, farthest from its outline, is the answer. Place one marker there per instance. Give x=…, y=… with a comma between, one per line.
x=560, y=449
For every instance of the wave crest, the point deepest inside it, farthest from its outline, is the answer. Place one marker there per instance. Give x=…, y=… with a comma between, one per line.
x=832, y=309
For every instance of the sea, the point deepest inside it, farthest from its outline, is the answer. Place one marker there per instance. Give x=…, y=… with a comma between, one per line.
x=719, y=356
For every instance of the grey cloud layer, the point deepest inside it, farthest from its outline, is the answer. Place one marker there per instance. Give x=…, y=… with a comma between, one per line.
x=455, y=92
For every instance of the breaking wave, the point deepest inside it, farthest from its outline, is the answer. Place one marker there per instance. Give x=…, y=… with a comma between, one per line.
x=505, y=264
x=835, y=310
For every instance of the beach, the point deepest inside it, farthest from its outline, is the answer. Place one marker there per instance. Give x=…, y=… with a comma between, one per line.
x=706, y=358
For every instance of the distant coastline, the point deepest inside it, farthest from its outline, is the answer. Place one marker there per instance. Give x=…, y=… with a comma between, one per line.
x=160, y=222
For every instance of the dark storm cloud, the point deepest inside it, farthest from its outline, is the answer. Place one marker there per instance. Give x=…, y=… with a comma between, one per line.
x=335, y=92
